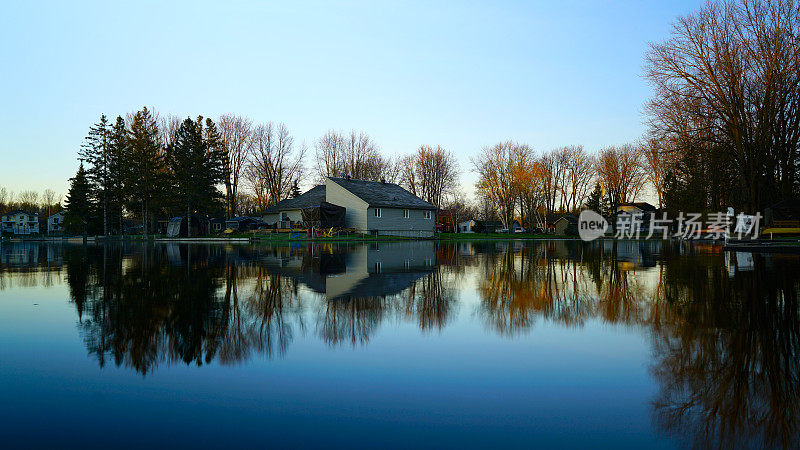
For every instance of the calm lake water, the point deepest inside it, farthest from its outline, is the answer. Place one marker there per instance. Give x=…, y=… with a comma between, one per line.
x=494, y=344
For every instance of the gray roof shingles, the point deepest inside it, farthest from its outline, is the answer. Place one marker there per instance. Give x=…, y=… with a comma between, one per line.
x=312, y=197
x=386, y=195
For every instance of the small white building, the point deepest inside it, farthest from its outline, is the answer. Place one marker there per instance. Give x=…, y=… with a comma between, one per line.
x=55, y=223
x=20, y=222
x=466, y=227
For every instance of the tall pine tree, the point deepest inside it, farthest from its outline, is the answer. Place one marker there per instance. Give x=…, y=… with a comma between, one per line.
x=144, y=161
x=96, y=153
x=195, y=160
x=79, y=203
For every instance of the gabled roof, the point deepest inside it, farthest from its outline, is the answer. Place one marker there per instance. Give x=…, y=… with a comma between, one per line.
x=20, y=211
x=387, y=195
x=242, y=219
x=644, y=206
x=568, y=217
x=312, y=197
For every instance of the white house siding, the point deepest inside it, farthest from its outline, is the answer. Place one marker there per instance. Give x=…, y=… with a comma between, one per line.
x=295, y=215
x=20, y=223
x=392, y=222
x=356, y=214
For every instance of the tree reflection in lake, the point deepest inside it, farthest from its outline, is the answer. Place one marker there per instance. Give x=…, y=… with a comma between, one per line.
x=729, y=368
x=726, y=338
x=724, y=328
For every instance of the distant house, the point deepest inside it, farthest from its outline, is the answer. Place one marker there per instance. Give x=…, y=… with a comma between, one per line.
x=636, y=208
x=372, y=207
x=516, y=227
x=785, y=214
x=479, y=226
x=627, y=211
x=783, y=218
x=20, y=222
x=467, y=226
x=381, y=208
x=55, y=223
x=286, y=212
x=216, y=225
x=242, y=223
x=566, y=224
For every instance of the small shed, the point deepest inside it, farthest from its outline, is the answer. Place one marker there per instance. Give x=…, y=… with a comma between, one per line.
x=177, y=227
x=566, y=225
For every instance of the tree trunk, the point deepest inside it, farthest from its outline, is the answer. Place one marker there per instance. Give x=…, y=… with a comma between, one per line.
x=105, y=213
x=188, y=220
x=144, y=219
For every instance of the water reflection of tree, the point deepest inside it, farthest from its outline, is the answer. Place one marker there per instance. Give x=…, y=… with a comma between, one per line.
x=352, y=320
x=729, y=370
x=265, y=320
x=149, y=313
x=518, y=287
x=430, y=301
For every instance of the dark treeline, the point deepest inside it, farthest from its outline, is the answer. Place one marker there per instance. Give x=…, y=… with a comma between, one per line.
x=133, y=168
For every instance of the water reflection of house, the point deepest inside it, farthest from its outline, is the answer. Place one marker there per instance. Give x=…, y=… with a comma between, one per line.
x=30, y=254
x=631, y=254
x=372, y=270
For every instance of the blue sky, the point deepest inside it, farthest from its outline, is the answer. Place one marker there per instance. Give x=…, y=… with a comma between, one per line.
x=458, y=74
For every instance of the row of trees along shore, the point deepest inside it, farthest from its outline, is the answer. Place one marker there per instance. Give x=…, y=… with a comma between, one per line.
x=723, y=126
x=723, y=130
x=145, y=166
x=45, y=203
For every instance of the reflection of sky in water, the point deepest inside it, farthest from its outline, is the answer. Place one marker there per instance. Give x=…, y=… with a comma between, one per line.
x=516, y=372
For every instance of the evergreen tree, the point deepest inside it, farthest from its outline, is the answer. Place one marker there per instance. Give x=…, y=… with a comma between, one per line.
x=144, y=163
x=595, y=199
x=96, y=152
x=195, y=161
x=116, y=190
x=79, y=203
x=296, y=190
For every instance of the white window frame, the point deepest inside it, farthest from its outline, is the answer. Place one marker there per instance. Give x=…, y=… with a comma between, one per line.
x=406, y=213
x=378, y=213
x=427, y=214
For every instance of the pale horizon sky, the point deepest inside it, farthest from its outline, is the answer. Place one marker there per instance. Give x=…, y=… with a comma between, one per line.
x=458, y=74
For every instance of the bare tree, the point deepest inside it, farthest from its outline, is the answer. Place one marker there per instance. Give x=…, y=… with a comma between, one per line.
x=431, y=173
x=579, y=170
x=276, y=164
x=621, y=173
x=168, y=127
x=329, y=153
x=354, y=154
x=657, y=163
x=498, y=167
x=28, y=199
x=236, y=133
x=738, y=63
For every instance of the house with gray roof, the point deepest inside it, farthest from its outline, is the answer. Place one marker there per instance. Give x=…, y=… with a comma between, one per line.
x=373, y=207
x=290, y=210
x=381, y=208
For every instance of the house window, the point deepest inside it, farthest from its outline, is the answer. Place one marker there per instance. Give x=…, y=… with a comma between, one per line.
x=406, y=214
x=378, y=266
x=427, y=214
x=377, y=212
x=284, y=216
